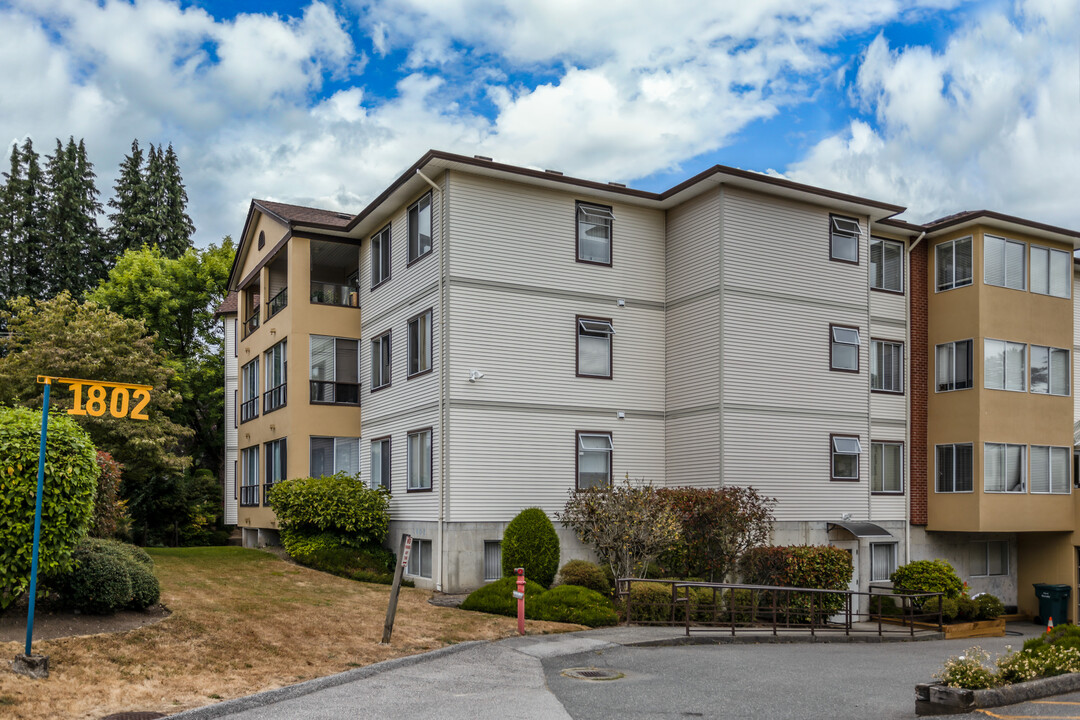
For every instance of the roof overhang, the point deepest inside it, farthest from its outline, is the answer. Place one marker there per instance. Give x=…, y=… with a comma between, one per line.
x=1005, y=224
x=860, y=529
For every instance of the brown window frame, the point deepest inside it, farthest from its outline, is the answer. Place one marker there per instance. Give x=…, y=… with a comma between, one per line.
x=858, y=238
x=431, y=460
x=577, y=348
x=903, y=276
x=858, y=352
x=389, y=448
x=832, y=453
x=903, y=366
x=389, y=381
x=239, y=481
x=577, y=235
x=409, y=374
x=262, y=239
x=371, y=255
x=266, y=467
x=577, y=455
x=408, y=226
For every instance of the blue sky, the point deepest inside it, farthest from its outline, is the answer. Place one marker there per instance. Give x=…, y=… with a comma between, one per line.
x=938, y=105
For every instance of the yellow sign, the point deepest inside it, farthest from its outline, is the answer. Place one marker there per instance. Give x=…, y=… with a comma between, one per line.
x=102, y=396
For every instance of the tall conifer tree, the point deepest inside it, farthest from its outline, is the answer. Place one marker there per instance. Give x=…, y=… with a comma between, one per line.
x=74, y=238
x=130, y=224
x=177, y=227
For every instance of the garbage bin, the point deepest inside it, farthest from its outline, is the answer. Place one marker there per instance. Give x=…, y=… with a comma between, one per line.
x=1053, y=603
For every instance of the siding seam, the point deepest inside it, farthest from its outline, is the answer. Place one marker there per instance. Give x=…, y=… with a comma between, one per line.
x=551, y=292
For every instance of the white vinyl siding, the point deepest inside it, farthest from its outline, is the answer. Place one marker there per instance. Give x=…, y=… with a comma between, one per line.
x=952, y=264
x=1004, y=262
x=1004, y=468
x=886, y=264
x=1050, y=469
x=1049, y=370
x=886, y=366
x=954, y=468
x=953, y=365
x=887, y=467
x=1004, y=365
x=1051, y=271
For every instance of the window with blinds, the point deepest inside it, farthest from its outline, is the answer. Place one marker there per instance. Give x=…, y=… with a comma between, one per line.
x=886, y=265
x=420, y=228
x=1004, y=365
x=420, y=344
x=952, y=260
x=419, y=559
x=1004, y=468
x=492, y=560
x=419, y=460
x=887, y=366
x=886, y=467
x=380, y=463
x=276, y=458
x=882, y=561
x=1004, y=262
x=1049, y=469
x=380, y=361
x=329, y=455
x=1049, y=370
x=953, y=366
x=989, y=558
x=380, y=257
x=335, y=370
x=594, y=349
x=1051, y=271
x=954, y=468
x=249, y=481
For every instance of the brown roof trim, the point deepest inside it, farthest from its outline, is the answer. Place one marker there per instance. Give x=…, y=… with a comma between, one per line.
x=972, y=215
x=901, y=224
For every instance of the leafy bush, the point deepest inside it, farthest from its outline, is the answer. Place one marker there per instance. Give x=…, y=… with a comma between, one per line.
x=145, y=588
x=928, y=576
x=339, y=504
x=130, y=552
x=884, y=605
x=968, y=671
x=530, y=542
x=950, y=609
x=373, y=564
x=111, y=518
x=822, y=567
x=584, y=574
x=71, y=475
x=1045, y=661
x=300, y=544
x=498, y=597
x=649, y=602
x=574, y=604
x=988, y=607
x=100, y=583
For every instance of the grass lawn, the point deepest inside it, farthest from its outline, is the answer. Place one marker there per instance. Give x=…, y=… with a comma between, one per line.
x=243, y=621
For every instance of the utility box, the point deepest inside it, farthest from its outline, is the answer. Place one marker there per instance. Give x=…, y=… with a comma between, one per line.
x=1053, y=603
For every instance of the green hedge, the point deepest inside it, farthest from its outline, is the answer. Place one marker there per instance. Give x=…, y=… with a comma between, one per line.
x=928, y=576
x=338, y=504
x=373, y=564
x=530, y=542
x=584, y=574
x=574, y=604
x=821, y=567
x=108, y=576
x=497, y=597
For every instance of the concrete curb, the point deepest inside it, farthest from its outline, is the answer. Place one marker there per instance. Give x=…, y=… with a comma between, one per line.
x=775, y=640
x=269, y=697
x=937, y=699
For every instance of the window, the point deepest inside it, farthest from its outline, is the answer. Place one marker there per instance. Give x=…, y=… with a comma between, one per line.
x=420, y=228
x=236, y=337
x=1049, y=469
x=250, y=385
x=420, y=344
x=420, y=559
x=1004, y=365
x=249, y=483
x=846, y=450
x=335, y=370
x=331, y=455
x=989, y=558
x=1051, y=271
x=1004, y=468
x=887, y=265
x=1049, y=370
x=276, y=361
x=594, y=451
x=887, y=366
x=262, y=239
x=419, y=460
x=953, y=260
x=275, y=466
x=594, y=231
x=844, y=239
x=882, y=561
x=954, y=366
x=954, y=468
x=380, y=361
x=380, y=257
x=886, y=467
x=492, y=559
x=1003, y=262
x=594, y=347
x=380, y=463
x=844, y=348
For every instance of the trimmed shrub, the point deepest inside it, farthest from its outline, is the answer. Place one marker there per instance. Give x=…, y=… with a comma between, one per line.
x=130, y=552
x=988, y=607
x=928, y=576
x=884, y=605
x=530, y=542
x=498, y=597
x=373, y=564
x=822, y=567
x=100, y=584
x=338, y=504
x=574, y=604
x=145, y=588
x=950, y=609
x=71, y=475
x=649, y=603
x=584, y=574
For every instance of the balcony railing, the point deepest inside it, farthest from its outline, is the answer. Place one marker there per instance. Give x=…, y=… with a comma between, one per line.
x=249, y=410
x=331, y=294
x=335, y=393
x=252, y=323
x=274, y=398
x=249, y=494
x=278, y=302
x=266, y=491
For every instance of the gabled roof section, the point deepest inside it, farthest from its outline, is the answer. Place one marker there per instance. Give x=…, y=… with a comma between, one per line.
x=228, y=306
x=308, y=217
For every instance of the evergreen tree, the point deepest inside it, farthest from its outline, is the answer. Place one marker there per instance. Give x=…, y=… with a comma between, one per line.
x=74, y=239
x=130, y=224
x=155, y=194
x=22, y=228
x=176, y=225
x=96, y=252
x=9, y=215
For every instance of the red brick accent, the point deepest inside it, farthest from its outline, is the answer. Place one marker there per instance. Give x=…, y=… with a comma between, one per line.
x=919, y=358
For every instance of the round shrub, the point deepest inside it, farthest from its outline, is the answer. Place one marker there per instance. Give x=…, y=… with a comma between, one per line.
x=950, y=608
x=100, y=584
x=649, y=602
x=928, y=576
x=498, y=597
x=134, y=553
x=988, y=607
x=339, y=504
x=584, y=574
x=145, y=588
x=530, y=542
x=573, y=604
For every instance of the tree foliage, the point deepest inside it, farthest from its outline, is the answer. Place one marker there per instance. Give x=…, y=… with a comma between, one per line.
x=628, y=525
x=75, y=255
x=150, y=204
x=111, y=518
x=22, y=225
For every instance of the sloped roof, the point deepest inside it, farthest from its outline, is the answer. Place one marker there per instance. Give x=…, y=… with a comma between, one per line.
x=305, y=215
x=229, y=306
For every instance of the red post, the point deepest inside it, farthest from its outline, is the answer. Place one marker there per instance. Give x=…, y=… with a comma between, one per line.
x=520, y=595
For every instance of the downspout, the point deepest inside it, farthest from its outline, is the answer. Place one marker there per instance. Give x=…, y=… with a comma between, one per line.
x=907, y=402
x=443, y=377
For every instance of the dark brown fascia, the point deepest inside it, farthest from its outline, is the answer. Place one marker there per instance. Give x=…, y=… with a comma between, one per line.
x=975, y=215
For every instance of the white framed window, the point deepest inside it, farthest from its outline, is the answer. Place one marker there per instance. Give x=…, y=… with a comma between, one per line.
x=887, y=265
x=420, y=343
x=1050, y=469
x=380, y=257
x=419, y=460
x=1004, y=262
x=954, y=468
x=886, y=467
x=331, y=455
x=420, y=228
x=249, y=482
x=1004, y=365
x=846, y=450
x=844, y=344
x=594, y=233
x=594, y=347
x=1050, y=370
x=492, y=559
x=594, y=451
x=844, y=234
x=1051, y=271
x=953, y=263
x=882, y=561
x=380, y=463
x=887, y=366
x=419, y=559
x=1004, y=468
x=334, y=370
x=276, y=457
x=380, y=361
x=953, y=366
x=988, y=558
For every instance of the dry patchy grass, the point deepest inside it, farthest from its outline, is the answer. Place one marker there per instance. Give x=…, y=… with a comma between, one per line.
x=243, y=621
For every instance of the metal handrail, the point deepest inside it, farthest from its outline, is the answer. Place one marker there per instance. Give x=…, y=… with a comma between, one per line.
x=277, y=303
x=325, y=293
x=335, y=393
x=274, y=398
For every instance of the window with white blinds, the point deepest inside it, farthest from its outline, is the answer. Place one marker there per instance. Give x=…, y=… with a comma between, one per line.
x=1005, y=365
x=1003, y=262
x=331, y=455
x=1050, y=370
x=887, y=366
x=953, y=361
x=953, y=264
x=419, y=462
x=1004, y=468
x=1051, y=271
x=886, y=467
x=882, y=561
x=886, y=265
x=1049, y=469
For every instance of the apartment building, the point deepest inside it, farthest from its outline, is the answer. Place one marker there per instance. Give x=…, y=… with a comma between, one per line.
x=483, y=338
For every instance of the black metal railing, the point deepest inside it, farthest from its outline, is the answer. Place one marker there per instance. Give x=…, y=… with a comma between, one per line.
x=274, y=398
x=249, y=494
x=249, y=410
x=266, y=491
x=335, y=393
x=334, y=294
x=252, y=323
x=278, y=302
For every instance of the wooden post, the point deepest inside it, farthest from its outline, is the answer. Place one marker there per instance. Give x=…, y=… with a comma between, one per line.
x=391, y=609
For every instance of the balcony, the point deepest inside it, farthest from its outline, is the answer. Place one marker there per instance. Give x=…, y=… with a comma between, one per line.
x=249, y=410
x=252, y=323
x=323, y=293
x=274, y=398
x=277, y=303
x=334, y=393
x=249, y=495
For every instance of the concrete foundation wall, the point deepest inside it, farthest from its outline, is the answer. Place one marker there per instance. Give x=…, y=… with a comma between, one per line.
x=956, y=549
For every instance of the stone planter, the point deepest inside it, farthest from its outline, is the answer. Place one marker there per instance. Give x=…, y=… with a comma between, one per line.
x=937, y=699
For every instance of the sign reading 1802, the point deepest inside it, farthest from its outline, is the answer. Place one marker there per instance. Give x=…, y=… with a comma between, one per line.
x=97, y=397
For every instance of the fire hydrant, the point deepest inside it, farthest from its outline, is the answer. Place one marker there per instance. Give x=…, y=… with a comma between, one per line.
x=520, y=595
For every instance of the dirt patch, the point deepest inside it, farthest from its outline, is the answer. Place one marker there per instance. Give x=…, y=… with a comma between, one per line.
x=50, y=624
